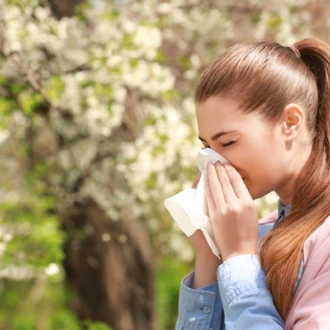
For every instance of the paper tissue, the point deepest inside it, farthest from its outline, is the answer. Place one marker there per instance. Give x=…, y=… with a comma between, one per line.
x=189, y=207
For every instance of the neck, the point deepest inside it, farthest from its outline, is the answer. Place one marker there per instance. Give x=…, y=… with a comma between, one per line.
x=285, y=191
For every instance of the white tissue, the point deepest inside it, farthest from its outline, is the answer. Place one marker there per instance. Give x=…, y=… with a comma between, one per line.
x=189, y=207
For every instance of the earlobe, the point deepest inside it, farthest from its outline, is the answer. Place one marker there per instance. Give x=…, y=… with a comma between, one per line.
x=293, y=119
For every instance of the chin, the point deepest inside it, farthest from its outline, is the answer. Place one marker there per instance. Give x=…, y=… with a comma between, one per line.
x=255, y=194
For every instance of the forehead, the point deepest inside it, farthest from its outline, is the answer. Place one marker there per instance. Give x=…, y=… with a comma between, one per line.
x=218, y=113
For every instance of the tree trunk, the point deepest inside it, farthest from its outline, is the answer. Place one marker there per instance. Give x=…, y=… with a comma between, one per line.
x=109, y=264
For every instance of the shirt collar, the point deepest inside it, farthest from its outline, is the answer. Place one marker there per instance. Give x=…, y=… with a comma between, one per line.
x=283, y=209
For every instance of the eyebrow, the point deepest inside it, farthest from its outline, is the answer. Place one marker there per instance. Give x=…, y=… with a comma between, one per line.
x=216, y=136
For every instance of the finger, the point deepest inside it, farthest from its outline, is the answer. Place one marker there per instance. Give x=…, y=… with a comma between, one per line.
x=228, y=191
x=237, y=183
x=215, y=186
x=209, y=198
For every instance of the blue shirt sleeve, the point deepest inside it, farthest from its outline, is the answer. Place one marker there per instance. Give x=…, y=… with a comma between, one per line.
x=202, y=309
x=247, y=302
x=199, y=309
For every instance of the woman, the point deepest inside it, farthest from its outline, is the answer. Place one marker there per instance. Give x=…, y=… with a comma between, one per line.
x=266, y=109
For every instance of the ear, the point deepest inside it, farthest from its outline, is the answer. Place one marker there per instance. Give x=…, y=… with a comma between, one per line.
x=293, y=118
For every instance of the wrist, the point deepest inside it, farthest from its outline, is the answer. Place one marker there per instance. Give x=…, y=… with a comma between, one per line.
x=237, y=254
x=206, y=266
x=208, y=259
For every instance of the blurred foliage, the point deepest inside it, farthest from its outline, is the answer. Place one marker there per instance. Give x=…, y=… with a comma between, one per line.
x=32, y=290
x=170, y=273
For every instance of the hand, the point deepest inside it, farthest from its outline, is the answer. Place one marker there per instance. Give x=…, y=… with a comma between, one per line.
x=206, y=263
x=197, y=239
x=199, y=243
x=233, y=215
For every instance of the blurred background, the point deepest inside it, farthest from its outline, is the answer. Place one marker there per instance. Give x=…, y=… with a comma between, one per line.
x=97, y=129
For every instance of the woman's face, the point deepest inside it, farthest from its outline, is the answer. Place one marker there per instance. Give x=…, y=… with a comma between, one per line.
x=257, y=149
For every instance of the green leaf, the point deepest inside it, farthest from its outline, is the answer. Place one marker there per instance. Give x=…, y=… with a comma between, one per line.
x=152, y=180
x=274, y=21
x=56, y=88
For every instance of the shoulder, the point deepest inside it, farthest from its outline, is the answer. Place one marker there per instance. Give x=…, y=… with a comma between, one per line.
x=310, y=308
x=318, y=243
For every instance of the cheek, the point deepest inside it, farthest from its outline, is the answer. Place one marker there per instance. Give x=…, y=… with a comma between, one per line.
x=256, y=167
x=263, y=176
x=246, y=159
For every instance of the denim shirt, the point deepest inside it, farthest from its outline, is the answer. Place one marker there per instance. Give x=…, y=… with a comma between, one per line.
x=239, y=299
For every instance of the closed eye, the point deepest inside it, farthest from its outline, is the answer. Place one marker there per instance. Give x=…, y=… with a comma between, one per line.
x=228, y=144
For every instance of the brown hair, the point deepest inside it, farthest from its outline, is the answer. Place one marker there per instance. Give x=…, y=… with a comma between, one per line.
x=264, y=77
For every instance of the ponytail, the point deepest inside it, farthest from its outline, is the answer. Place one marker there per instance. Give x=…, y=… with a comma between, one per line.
x=316, y=56
x=282, y=249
